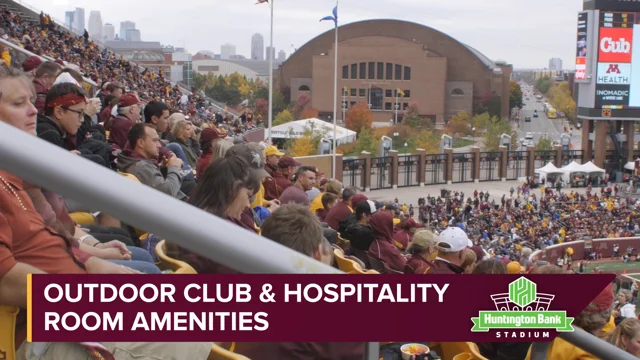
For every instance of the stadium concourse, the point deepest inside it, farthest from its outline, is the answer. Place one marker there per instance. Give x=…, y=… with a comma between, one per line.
x=137, y=125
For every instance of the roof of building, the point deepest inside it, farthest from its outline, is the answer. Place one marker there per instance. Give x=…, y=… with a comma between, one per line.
x=137, y=56
x=134, y=45
x=259, y=66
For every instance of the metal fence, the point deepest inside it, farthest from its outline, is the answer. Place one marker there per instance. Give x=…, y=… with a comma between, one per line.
x=435, y=168
x=463, y=167
x=353, y=173
x=408, y=169
x=381, y=172
x=490, y=165
x=517, y=164
x=543, y=157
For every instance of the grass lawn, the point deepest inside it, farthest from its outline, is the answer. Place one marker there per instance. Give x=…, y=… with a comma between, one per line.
x=615, y=266
x=460, y=142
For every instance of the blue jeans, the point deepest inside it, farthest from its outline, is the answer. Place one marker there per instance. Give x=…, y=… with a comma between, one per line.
x=141, y=260
x=177, y=149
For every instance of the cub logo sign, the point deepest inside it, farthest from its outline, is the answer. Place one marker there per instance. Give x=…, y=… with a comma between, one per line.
x=520, y=310
x=615, y=45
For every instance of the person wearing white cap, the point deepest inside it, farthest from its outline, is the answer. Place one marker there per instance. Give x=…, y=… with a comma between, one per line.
x=451, y=245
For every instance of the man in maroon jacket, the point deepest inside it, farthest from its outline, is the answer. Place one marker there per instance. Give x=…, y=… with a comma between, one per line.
x=44, y=78
x=452, y=243
x=128, y=115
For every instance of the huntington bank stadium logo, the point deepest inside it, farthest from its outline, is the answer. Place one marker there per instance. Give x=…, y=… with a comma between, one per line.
x=522, y=308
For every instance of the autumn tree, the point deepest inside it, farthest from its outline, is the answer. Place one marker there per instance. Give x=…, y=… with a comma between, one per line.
x=367, y=141
x=481, y=122
x=261, y=107
x=309, y=113
x=496, y=129
x=489, y=103
x=283, y=117
x=302, y=146
x=424, y=139
x=460, y=124
x=303, y=102
x=515, y=96
x=413, y=119
x=359, y=117
x=560, y=98
x=544, y=144
x=543, y=84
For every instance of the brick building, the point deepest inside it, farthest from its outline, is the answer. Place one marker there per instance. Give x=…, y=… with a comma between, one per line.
x=376, y=57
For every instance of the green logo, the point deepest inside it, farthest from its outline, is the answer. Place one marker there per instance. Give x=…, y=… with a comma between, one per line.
x=522, y=308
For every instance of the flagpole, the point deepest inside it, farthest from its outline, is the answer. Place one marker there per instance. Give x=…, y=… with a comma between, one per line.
x=271, y=75
x=335, y=101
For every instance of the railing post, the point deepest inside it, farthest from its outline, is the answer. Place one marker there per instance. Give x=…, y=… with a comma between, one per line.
x=421, y=153
x=504, y=157
x=366, y=171
x=394, y=168
x=558, y=156
x=339, y=167
x=448, y=175
x=531, y=161
x=476, y=164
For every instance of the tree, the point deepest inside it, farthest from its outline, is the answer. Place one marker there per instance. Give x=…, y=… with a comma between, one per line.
x=261, y=107
x=460, y=124
x=424, y=139
x=515, y=96
x=488, y=103
x=413, y=119
x=496, y=129
x=309, y=113
x=543, y=84
x=481, y=122
x=367, y=141
x=544, y=143
x=303, y=147
x=359, y=117
x=283, y=117
x=303, y=102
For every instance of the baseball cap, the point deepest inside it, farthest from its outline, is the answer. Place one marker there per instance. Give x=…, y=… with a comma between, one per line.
x=392, y=207
x=288, y=161
x=129, y=100
x=208, y=135
x=365, y=207
x=453, y=239
x=358, y=198
x=31, y=63
x=252, y=154
x=272, y=150
x=514, y=267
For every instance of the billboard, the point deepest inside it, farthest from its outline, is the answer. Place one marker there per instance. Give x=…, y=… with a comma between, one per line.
x=614, y=74
x=581, y=47
x=612, y=95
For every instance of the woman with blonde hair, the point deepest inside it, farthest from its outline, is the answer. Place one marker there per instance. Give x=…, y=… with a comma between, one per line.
x=220, y=149
x=184, y=134
x=423, y=250
x=334, y=187
x=626, y=336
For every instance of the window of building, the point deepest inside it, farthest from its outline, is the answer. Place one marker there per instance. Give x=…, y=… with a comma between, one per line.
x=389, y=75
x=362, y=92
x=354, y=92
x=388, y=93
x=363, y=71
x=304, y=88
x=457, y=92
x=407, y=93
x=352, y=103
x=405, y=106
x=388, y=106
x=354, y=71
x=345, y=72
x=380, y=71
x=407, y=73
x=372, y=71
x=376, y=99
x=398, y=74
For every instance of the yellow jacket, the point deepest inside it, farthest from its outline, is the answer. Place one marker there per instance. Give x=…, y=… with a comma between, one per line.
x=259, y=200
x=316, y=204
x=562, y=350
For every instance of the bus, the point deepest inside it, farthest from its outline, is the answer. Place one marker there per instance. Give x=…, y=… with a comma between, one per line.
x=552, y=113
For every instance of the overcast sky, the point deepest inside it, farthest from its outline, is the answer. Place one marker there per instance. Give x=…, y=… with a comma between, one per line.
x=525, y=33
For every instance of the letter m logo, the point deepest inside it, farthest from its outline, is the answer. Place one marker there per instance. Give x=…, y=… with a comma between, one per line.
x=613, y=69
x=522, y=292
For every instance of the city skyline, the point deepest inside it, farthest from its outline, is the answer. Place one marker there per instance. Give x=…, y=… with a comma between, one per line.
x=517, y=31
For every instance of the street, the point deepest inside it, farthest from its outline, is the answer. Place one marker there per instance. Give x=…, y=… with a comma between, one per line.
x=542, y=124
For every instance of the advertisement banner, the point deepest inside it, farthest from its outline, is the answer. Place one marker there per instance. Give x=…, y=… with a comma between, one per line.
x=614, y=74
x=617, y=95
x=268, y=308
x=615, y=45
x=581, y=47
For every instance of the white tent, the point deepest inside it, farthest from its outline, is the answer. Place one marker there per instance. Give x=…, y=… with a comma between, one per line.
x=548, y=169
x=572, y=168
x=631, y=165
x=297, y=129
x=591, y=168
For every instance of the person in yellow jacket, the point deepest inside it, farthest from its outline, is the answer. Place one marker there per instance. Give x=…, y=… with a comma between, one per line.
x=333, y=186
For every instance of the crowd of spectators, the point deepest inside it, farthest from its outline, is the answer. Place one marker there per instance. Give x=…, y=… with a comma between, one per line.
x=138, y=126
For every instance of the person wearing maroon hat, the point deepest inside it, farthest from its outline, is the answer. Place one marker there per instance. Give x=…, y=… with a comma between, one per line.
x=274, y=188
x=31, y=64
x=343, y=209
x=128, y=115
x=208, y=138
x=405, y=233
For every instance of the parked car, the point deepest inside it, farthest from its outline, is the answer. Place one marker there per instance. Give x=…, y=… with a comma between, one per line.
x=527, y=119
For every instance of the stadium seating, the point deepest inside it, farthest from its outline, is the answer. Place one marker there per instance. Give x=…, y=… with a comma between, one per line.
x=7, y=332
x=83, y=218
x=167, y=263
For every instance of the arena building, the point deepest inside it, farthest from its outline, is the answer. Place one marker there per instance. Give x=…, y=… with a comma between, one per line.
x=376, y=57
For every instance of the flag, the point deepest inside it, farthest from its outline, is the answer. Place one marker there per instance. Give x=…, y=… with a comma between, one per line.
x=400, y=92
x=262, y=2
x=346, y=90
x=333, y=17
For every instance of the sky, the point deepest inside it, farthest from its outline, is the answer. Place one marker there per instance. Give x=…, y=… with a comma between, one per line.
x=525, y=33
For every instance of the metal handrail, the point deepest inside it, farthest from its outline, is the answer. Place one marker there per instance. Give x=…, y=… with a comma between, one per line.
x=54, y=168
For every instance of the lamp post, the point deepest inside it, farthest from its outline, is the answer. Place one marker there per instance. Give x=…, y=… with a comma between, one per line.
x=395, y=136
x=405, y=148
x=397, y=107
x=344, y=111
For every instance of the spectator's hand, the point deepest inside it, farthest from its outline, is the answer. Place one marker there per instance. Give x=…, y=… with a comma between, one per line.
x=273, y=205
x=75, y=152
x=93, y=107
x=115, y=244
x=174, y=161
x=96, y=265
x=113, y=254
